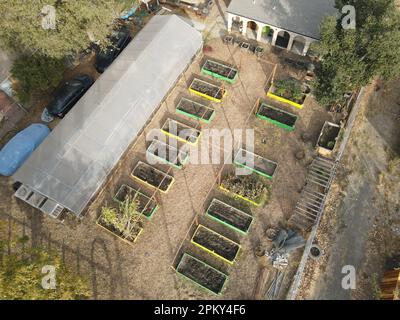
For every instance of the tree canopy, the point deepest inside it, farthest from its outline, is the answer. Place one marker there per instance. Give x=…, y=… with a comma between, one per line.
x=21, y=273
x=77, y=24
x=351, y=58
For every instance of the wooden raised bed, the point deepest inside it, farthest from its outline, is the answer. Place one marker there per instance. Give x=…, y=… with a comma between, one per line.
x=276, y=116
x=216, y=244
x=181, y=131
x=328, y=138
x=195, y=110
x=152, y=177
x=207, y=90
x=262, y=166
x=115, y=233
x=230, y=216
x=169, y=154
x=146, y=206
x=220, y=71
x=201, y=274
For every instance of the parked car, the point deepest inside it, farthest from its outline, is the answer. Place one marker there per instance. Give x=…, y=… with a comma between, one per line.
x=20, y=147
x=67, y=96
x=119, y=40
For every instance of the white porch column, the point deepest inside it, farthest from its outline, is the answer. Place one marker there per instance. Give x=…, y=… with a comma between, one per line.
x=275, y=36
x=260, y=28
x=306, y=47
x=291, y=40
x=244, y=31
x=230, y=20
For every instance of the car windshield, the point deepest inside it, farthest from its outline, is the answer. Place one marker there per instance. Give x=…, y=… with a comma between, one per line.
x=63, y=97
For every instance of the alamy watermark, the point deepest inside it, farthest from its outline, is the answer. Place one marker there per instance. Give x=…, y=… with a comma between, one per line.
x=48, y=14
x=49, y=280
x=349, y=17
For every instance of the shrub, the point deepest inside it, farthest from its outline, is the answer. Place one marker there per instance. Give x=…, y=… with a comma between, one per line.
x=36, y=74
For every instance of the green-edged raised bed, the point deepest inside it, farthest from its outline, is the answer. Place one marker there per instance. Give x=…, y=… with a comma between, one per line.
x=202, y=274
x=207, y=90
x=216, y=244
x=220, y=71
x=145, y=205
x=167, y=154
x=261, y=166
x=276, y=116
x=195, y=110
x=229, y=216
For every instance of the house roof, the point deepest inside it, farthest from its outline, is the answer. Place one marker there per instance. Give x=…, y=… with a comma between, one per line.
x=76, y=158
x=300, y=16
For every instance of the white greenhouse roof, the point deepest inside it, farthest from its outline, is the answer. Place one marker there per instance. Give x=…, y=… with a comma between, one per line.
x=75, y=159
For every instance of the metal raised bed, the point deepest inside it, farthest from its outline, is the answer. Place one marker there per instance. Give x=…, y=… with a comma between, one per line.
x=261, y=166
x=229, y=216
x=152, y=177
x=216, y=244
x=181, y=131
x=167, y=154
x=276, y=116
x=207, y=90
x=202, y=274
x=220, y=71
x=195, y=110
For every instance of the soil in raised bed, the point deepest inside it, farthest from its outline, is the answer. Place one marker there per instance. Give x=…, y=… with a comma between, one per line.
x=278, y=115
x=208, y=89
x=202, y=274
x=230, y=216
x=216, y=243
x=176, y=128
x=196, y=109
x=142, y=201
x=217, y=68
x=152, y=176
x=329, y=136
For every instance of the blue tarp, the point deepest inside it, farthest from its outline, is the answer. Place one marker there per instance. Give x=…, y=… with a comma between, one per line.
x=20, y=147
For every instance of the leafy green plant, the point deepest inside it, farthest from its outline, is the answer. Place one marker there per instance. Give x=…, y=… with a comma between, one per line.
x=249, y=187
x=21, y=272
x=289, y=88
x=125, y=219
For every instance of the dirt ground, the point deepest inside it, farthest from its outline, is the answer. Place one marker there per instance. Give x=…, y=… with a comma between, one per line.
x=145, y=270
x=361, y=225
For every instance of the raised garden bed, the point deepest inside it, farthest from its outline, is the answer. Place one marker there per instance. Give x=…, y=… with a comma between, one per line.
x=276, y=116
x=216, y=244
x=328, y=138
x=230, y=216
x=195, y=110
x=167, y=154
x=145, y=205
x=181, y=131
x=207, y=90
x=261, y=166
x=220, y=71
x=288, y=91
x=152, y=177
x=248, y=188
x=202, y=274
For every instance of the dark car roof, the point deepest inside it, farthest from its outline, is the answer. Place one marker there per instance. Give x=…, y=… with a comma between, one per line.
x=66, y=93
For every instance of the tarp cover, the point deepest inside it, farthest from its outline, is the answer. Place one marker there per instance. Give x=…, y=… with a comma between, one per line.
x=20, y=147
x=76, y=158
